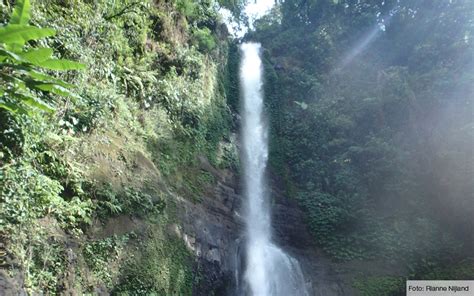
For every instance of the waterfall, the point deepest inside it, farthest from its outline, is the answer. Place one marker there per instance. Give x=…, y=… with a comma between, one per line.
x=268, y=269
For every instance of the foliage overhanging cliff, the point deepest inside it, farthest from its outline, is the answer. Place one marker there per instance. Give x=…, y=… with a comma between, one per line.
x=371, y=117
x=151, y=99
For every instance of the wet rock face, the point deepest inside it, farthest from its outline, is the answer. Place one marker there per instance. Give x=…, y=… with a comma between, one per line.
x=291, y=233
x=11, y=286
x=212, y=230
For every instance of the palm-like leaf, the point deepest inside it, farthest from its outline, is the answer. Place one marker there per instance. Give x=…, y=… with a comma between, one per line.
x=21, y=13
x=61, y=64
x=37, y=55
x=20, y=34
x=21, y=79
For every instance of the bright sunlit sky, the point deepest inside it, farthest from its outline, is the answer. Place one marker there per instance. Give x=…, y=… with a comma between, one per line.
x=254, y=9
x=257, y=8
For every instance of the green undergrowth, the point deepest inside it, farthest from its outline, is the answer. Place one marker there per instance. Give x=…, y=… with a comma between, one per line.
x=361, y=146
x=395, y=285
x=380, y=286
x=149, y=102
x=373, y=146
x=100, y=254
x=161, y=265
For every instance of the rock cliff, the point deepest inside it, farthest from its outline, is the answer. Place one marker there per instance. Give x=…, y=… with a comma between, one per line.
x=213, y=230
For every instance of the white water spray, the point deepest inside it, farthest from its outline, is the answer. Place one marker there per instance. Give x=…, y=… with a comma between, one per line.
x=269, y=270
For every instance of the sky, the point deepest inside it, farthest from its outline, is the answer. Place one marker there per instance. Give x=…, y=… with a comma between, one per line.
x=254, y=10
x=257, y=8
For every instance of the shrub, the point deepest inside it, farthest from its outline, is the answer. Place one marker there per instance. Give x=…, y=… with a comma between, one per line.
x=204, y=39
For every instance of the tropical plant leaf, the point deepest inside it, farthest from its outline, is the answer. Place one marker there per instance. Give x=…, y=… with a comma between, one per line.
x=47, y=78
x=37, y=55
x=53, y=88
x=21, y=12
x=36, y=103
x=15, y=81
x=20, y=34
x=13, y=108
x=5, y=54
x=61, y=64
x=21, y=69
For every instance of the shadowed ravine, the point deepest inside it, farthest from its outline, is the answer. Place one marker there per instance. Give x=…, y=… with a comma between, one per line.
x=269, y=270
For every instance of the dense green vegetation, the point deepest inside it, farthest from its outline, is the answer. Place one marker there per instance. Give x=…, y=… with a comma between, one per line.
x=106, y=106
x=371, y=118
x=82, y=149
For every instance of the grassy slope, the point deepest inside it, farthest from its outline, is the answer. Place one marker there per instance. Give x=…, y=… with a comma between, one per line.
x=151, y=101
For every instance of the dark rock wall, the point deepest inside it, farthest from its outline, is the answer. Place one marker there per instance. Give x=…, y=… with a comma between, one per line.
x=213, y=230
x=291, y=233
